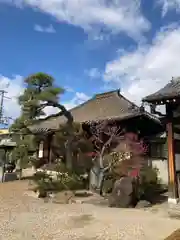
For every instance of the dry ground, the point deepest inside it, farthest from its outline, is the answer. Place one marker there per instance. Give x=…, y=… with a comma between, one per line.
x=23, y=217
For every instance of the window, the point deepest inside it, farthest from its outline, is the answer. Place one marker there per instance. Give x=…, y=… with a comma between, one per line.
x=177, y=147
x=157, y=150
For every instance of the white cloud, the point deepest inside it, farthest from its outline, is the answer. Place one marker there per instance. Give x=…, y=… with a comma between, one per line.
x=169, y=5
x=14, y=88
x=93, y=73
x=68, y=89
x=94, y=15
x=76, y=100
x=47, y=29
x=149, y=67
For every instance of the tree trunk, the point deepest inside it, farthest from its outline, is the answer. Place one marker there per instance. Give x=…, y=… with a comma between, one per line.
x=101, y=170
x=68, y=155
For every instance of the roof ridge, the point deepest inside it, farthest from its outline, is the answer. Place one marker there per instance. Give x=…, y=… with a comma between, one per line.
x=97, y=96
x=106, y=94
x=175, y=79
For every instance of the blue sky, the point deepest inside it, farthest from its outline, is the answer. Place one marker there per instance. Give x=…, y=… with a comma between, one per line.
x=89, y=46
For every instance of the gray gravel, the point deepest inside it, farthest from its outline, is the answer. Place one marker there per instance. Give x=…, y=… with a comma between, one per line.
x=24, y=217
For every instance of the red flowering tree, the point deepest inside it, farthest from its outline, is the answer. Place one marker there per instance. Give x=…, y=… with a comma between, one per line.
x=124, y=150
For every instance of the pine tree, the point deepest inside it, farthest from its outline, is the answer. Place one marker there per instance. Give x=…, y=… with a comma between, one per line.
x=40, y=92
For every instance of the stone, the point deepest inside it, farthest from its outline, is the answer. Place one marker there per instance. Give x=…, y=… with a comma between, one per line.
x=64, y=197
x=121, y=195
x=31, y=194
x=143, y=204
x=8, y=177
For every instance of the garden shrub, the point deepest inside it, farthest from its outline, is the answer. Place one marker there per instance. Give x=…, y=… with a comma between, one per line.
x=147, y=184
x=65, y=180
x=108, y=182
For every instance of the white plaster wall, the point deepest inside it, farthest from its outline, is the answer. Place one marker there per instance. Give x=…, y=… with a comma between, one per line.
x=177, y=158
x=162, y=166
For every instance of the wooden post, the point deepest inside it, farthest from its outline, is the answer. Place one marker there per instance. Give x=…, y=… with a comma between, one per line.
x=4, y=165
x=50, y=154
x=173, y=190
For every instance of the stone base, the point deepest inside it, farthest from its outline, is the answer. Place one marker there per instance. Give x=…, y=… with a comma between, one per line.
x=173, y=200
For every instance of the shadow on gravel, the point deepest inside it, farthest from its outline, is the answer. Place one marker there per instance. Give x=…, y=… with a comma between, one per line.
x=80, y=221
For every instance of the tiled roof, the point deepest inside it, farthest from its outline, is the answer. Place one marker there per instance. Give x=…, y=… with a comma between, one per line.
x=169, y=91
x=105, y=106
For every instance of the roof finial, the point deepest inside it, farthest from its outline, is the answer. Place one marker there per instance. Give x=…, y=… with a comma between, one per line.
x=175, y=79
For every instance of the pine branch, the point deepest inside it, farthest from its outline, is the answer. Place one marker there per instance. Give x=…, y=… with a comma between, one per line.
x=64, y=111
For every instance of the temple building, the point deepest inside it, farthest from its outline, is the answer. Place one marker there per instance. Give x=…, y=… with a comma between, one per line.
x=105, y=106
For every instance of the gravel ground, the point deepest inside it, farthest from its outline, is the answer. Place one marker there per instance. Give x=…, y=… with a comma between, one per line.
x=24, y=217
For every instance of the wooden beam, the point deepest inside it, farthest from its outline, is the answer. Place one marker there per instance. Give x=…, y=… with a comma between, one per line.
x=173, y=190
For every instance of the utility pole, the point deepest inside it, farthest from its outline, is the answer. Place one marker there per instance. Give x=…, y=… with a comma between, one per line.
x=3, y=119
x=2, y=92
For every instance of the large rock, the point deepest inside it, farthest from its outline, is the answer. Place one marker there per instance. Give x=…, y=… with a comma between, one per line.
x=124, y=185
x=121, y=195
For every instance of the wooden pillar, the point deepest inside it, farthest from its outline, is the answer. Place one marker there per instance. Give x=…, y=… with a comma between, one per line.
x=173, y=191
x=50, y=154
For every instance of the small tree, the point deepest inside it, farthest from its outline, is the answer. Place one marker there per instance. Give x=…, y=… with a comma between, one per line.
x=104, y=135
